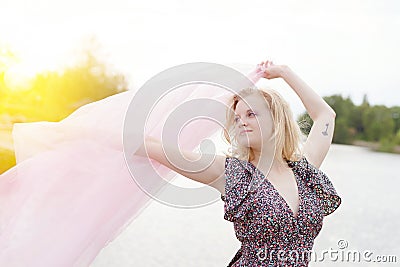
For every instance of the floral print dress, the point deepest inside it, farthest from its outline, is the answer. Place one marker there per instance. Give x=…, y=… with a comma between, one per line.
x=269, y=232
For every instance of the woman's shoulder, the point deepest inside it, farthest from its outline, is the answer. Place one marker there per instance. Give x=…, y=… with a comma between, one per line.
x=319, y=181
x=233, y=162
x=238, y=184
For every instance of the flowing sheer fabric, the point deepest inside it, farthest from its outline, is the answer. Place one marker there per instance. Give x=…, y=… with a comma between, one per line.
x=71, y=192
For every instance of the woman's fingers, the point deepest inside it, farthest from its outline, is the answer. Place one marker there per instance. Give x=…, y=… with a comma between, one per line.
x=264, y=65
x=261, y=66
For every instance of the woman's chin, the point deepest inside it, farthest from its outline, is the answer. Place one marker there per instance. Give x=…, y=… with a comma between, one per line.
x=245, y=139
x=246, y=144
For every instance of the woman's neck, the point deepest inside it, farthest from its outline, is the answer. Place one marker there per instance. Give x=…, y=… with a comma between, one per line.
x=268, y=163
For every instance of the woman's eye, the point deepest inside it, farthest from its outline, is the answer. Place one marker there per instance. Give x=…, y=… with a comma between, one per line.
x=248, y=114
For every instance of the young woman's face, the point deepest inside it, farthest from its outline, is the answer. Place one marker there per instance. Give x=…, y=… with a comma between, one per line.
x=253, y=122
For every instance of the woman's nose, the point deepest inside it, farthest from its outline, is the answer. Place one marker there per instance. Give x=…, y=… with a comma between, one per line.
x=243, y=123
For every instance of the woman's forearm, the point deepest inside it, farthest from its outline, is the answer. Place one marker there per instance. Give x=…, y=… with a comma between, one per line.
x=314, y=104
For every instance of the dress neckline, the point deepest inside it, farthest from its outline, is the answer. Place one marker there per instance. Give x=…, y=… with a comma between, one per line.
x=291, y=165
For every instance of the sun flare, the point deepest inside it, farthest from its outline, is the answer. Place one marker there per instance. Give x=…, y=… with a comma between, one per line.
x=27, y=60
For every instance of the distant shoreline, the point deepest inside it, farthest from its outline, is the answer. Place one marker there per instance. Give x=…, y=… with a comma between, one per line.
x=371, y=145
x=374, y=146
x=6, y=142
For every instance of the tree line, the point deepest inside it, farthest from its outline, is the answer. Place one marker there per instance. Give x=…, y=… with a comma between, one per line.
x=53, y=95
x=374, y=124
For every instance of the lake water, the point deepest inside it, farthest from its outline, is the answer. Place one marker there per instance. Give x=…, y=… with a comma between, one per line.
x=367, y=220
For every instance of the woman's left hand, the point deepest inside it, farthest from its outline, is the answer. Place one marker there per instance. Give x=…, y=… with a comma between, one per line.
x=270, y=70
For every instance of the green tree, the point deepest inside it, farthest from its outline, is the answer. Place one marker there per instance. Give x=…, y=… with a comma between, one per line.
x=397, y=138
x=305, y=122
x=378, y=123
x=53, y=95
x=396, y=118
x=363, y=122
x=343, y=106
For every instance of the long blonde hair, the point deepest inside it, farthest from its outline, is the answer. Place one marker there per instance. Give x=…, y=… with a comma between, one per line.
x=287, y=131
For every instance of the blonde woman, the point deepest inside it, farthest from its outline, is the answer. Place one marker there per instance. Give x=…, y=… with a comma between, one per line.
x=71, y=192
x=271, y=185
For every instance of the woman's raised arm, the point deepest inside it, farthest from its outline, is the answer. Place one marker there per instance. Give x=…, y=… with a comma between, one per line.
x=204, y=168
x=323, y=116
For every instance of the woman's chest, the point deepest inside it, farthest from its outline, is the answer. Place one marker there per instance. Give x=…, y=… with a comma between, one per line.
x=271, y=216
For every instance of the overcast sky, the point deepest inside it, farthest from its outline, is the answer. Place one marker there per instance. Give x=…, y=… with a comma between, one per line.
x=343, y=46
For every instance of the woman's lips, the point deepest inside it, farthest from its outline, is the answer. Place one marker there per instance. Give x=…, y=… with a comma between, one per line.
x=244, y=131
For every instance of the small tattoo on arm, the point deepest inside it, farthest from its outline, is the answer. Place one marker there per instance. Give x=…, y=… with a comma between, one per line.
x=326, y=130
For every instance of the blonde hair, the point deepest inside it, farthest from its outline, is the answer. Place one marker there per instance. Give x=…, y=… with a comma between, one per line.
x=287, y=132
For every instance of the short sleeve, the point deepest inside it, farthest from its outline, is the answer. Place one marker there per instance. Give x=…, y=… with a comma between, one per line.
x=321, y=184
x=237, y=185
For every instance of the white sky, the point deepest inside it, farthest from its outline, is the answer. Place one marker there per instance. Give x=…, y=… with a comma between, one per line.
x=343, y=46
